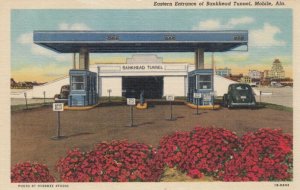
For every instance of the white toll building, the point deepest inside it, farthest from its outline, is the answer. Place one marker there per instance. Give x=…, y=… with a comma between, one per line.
x=145, y=73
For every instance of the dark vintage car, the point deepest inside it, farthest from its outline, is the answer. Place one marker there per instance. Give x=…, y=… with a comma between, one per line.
x=62, y=97
x=239, y=95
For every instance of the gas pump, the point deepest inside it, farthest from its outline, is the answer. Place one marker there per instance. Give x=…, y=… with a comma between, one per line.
x=201, y=81
x=83, y=91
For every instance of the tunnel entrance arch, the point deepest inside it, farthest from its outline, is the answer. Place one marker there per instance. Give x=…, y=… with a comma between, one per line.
x=151, y=86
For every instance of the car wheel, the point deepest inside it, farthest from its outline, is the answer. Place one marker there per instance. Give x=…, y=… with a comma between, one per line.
x=254, y=107
x=225, y=101
x=229, y=104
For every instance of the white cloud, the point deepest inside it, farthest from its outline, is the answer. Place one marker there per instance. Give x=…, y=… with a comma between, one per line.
x=75, y=26
x=239, y=21
x=216, y=24
x=265, y=37
x=26, y=39
x=211, y=24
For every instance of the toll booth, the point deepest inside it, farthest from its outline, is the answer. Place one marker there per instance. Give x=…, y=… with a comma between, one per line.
x=201, y=81
x=83, y=91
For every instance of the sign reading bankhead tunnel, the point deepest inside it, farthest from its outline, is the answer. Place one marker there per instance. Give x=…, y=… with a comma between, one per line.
x=142, y=67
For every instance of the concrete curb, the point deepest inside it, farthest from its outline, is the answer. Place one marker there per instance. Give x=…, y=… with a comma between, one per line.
x=206, y=107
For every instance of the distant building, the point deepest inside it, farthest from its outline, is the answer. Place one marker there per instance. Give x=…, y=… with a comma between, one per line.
x=277, y=71
x=224, y=72
x=255, y=74
x=246, y=79
x=236, y=78
x=266, y=74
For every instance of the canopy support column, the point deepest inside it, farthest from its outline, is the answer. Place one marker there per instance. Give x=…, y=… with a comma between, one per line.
x=74, y=60
x=199, y=59
x=83, y=59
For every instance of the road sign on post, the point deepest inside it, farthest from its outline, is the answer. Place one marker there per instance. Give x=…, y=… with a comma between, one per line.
x=131, y=103
x=170, y=98
x=58, y=107
x=197, y=96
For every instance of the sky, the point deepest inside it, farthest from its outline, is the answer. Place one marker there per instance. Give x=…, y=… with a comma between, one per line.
x=270, y=37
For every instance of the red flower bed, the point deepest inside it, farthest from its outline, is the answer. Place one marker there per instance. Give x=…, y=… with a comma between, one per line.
x=109, y=162
x=201, y=151
x=30, y=172
x=266, y=155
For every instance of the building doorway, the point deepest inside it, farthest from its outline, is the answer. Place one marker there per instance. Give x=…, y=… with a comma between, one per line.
x=151, y=85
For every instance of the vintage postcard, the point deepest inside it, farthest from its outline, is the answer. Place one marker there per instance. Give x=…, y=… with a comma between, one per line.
x=140, y=94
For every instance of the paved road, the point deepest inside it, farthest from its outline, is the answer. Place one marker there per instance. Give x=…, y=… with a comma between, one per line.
x=281, y=96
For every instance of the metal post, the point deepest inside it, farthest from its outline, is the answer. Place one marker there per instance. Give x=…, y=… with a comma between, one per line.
x=58, y=107
x=44, y=97
x=109, y=91
x=213, y=76
x=197, y=106
x=260, y=97
x=131, y=116
x=25, y=95
x=58, y=124
x=171, y=115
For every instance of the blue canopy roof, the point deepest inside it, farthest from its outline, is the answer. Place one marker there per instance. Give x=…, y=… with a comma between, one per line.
x=140, y=41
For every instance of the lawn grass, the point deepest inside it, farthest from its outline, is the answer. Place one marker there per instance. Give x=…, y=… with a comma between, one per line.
x=275, y=106
x=260, y=105
x=123, y=99
x=112, y=99
x=29, y=106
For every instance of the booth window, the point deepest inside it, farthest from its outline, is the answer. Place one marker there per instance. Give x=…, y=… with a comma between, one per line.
x=77, y=83
x=205, y=82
